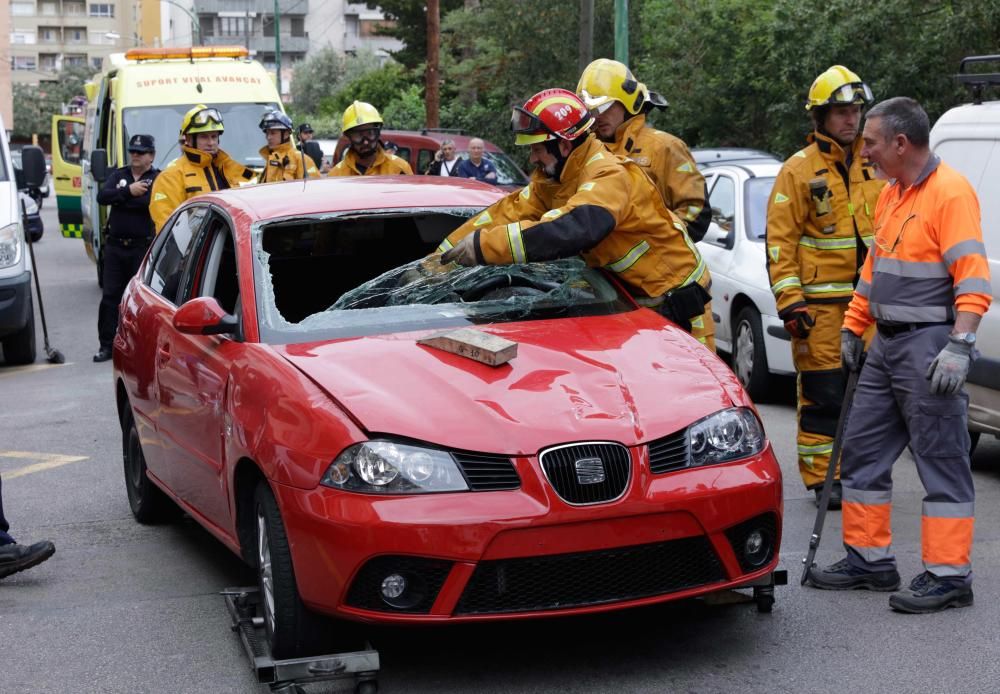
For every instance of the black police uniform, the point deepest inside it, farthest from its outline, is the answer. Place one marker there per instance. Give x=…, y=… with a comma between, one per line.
x=130, y=231
x=311, y=148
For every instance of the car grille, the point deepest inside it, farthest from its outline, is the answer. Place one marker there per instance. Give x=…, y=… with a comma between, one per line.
x=424, y=578
x=486, y=472
x=590, y=578
x=587, y=473
x=669, y=453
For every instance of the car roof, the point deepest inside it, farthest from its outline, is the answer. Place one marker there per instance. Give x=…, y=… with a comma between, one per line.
x=752, y=169
x=356, y=193
x=718, y=155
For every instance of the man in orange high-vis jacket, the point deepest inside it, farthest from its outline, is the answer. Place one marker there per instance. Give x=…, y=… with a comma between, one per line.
x=925, y=285
x=583, y=200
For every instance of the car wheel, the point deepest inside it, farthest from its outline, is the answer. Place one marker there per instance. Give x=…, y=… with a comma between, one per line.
x=148, y=502
x=289, y=624
x=19, y=347
x=749, y=358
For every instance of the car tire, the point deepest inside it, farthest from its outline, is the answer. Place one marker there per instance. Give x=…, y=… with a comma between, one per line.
x=291, y=627
x=148, y=502
x=749, y=357
x=20, y=347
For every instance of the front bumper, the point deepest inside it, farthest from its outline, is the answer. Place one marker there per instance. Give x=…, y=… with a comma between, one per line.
x=15, y=303
x=524, y=553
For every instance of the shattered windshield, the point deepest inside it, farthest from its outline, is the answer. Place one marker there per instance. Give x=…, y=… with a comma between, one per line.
x=422, y=294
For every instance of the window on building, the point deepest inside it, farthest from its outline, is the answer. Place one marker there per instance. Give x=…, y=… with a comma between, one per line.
x=74, y=8
x=102, y=9
x=48, y=61
x=298, y=26
x=49, y=9
x=267, y=25
x=22, y=36
x=76, y=35
x=207, y=24
x=76, y=59
x=25, y=62
x=232, y=26
x=22, y=9
x=95, y=62
x=101, y=38
x=49, y=35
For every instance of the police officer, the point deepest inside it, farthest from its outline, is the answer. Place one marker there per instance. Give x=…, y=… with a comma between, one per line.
x=203, y=166
x=308, y=145
x=362, y=126
x=129, y=232
x=282, y=161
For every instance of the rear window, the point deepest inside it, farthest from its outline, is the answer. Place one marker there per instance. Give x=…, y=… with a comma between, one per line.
x=348, y=276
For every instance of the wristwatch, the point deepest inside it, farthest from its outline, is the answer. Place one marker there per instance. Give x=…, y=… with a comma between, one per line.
x=967, y=339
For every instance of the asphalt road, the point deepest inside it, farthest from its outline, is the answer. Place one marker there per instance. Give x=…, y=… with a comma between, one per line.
x=127, y=608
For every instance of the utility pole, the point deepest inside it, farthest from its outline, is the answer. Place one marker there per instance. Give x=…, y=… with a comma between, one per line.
x=431, y=87
x=277, y=46
x=586, y=34
x=621, y=31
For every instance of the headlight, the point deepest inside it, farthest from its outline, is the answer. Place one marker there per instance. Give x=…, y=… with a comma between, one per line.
x=386, y=467
x=10, y=245
x=727, y=435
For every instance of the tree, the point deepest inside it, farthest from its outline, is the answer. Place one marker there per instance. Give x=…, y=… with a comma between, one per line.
x=34, y=106
x=409, y=24
x=324, y=73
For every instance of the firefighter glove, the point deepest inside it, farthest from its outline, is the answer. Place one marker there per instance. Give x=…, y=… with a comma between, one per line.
x=464, y=252
x=851, y=349
x=949, y=369
x=799, y=322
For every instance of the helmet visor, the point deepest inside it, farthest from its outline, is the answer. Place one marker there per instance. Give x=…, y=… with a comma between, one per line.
x=526, y=123
x=205, y=115
x=854, y=93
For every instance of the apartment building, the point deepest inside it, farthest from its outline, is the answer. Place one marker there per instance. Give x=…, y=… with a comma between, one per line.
x=47, y=35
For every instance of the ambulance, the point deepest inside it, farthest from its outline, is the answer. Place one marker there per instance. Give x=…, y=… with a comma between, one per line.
x=148, y=91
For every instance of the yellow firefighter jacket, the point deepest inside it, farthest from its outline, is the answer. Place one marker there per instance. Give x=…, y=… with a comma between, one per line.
x=820, y=222
x=384, y=164
x=286, y=163
x=667, y=161
x=604, y=208
x=192, y=173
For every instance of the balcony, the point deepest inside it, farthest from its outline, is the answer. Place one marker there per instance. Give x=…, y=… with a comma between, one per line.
x=285, y=7
x=261, y=44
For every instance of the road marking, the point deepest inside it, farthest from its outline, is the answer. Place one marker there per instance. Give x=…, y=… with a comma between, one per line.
x=15, y=370
x=46, y=461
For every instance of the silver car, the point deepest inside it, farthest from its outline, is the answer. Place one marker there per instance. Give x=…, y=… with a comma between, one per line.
x=746, y=316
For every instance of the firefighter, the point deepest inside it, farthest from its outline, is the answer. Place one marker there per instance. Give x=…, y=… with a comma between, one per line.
x=283, y=162
x=584, y=200
x=925, y=285
x=362, y=125
x=201, y=168
x=620, y=105
x=819, y=227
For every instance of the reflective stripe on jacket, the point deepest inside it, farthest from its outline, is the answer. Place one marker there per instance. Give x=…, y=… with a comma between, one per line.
x=286, y=163
x=603, y=208
x=668, y=162
x=385, y=164
x=191, y=174
x=928, y=260
x=819, y=224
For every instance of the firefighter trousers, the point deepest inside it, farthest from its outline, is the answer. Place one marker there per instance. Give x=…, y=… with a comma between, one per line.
x=703, y=328
x=820, y=388
x=893, y=408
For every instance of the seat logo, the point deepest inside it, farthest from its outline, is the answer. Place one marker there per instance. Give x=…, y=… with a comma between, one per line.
x=589, y=470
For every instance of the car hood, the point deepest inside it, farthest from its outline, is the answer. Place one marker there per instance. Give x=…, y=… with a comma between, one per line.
x=629, y=378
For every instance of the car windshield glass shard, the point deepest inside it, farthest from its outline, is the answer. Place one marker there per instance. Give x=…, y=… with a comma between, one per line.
x=365, y=275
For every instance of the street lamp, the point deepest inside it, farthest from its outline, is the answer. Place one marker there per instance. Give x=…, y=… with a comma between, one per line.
x=195, y=24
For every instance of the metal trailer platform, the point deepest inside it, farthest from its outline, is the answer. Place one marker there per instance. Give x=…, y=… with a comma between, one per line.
x=284, y=676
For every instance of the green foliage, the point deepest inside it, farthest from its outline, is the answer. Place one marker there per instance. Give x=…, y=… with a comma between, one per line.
x=410, y=26
x=407, y=111
x=34, y=106
x=324, y=73
x=378, y=88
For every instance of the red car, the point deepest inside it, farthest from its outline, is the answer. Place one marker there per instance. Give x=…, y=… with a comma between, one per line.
x=270, y=382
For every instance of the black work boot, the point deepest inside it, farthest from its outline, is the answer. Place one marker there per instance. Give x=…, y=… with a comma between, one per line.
x=836, y=495
x=928, y=593
x=15, y=557
x=845, y=576
x=103, y=354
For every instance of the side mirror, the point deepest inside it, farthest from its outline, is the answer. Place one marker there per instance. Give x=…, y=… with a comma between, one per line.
x=204, y=316
x=99, y=165
x=33, y=165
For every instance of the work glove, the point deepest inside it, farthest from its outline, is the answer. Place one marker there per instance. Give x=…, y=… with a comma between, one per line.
x=851, y=349
x=464, y=252
x=950, y=367
x=798, y=322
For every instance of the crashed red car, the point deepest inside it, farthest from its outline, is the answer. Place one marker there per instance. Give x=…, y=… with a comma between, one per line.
x=270, y=383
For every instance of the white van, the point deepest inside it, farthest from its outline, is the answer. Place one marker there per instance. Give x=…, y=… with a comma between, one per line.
x=968, y=139
x=17, y=315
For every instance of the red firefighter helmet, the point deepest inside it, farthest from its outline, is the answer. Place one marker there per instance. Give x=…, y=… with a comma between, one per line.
x=550, y=114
